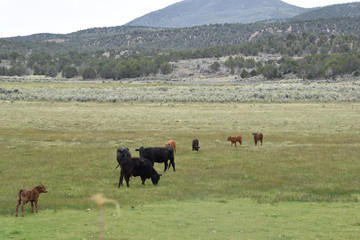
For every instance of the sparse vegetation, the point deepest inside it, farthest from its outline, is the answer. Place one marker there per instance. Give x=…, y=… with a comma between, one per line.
x=222, y=90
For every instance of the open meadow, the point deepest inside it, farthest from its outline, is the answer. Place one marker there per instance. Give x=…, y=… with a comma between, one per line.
x=303, y=183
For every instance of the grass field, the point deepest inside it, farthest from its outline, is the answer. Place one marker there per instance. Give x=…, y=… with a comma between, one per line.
x=303, y=183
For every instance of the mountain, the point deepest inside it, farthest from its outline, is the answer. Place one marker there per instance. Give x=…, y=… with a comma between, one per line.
x=338, y=10
x=189, y=13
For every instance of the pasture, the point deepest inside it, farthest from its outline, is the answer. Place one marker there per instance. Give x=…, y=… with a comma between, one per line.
x=303, y=183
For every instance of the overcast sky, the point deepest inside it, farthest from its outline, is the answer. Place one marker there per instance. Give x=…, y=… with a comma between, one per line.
x=25, y=17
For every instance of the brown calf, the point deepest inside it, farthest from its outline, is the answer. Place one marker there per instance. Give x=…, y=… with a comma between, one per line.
x=258, y=137
x=235, y=139
x=29, y=195
x=172, y=144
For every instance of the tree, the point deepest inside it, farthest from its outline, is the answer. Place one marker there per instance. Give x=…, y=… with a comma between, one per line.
x=69, y=72
x=12, y=71
x=269, y=71
x=14, y=56
x=166, y=68
x=106, y=72
x=244, y=74
x=89, y=73
x=3, y=71
x=51, y=71
x=215, y=67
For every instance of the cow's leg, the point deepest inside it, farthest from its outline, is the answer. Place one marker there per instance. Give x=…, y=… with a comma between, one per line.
x=17, y=206
x=22, y=208
x=32, y=206
x=143, y=180
x=172, y=162
x=36, y=207
x=121, y=178
x=127, y=179
x=255, y=142
x=165, y=165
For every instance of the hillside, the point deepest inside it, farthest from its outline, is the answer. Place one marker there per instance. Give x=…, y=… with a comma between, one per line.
x=338, y=10
x=199, y=12
x=151, y=39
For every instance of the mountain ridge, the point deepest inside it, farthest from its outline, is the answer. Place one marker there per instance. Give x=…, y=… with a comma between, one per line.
x=190, y=13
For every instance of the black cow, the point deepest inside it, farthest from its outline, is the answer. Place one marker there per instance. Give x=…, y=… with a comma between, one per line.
x=159, y=155
x=122, y=152
x=137, y=167
x=195, y=144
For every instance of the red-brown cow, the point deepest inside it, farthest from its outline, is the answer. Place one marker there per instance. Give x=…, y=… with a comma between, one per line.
x=29, y=195
x=235, y=139
x=258, y=137
x=172, y=144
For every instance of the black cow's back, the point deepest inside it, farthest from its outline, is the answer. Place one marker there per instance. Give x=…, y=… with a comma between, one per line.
x=159, y=155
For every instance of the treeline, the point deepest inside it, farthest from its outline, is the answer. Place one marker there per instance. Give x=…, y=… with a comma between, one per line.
x=88, y=66
x=315, y=66
x=292, y=45
x=321, y=56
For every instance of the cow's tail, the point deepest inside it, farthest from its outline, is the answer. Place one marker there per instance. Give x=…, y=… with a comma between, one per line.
x=19, y=199
x=117, y=166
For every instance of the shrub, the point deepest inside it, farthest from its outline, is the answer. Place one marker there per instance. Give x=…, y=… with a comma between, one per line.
x=89, y=73
x=244, y=74
x=269, y=71
x=69, y=72
x=215, y=67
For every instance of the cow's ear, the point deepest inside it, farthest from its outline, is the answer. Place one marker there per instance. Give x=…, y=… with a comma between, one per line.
x=128, y=149
x=159, y=175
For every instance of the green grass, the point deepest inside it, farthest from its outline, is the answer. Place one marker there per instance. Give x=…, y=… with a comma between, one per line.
x=301, y=184
x=216, y=219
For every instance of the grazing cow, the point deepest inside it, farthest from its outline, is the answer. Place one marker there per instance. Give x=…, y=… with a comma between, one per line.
x=258, y=137
x=159, y=155
x=29, y=195
x=195, y=144
x=137, y=167
x=122, y=152
x=172, y=144
x=235, y=139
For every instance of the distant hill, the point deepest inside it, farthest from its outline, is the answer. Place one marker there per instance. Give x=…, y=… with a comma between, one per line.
x=189, y=13
x=144, y=39
x=338, y=10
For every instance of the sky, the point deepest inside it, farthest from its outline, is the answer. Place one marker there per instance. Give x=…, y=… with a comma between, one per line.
x=26, y=17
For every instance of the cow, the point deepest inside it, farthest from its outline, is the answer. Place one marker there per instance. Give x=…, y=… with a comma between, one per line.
x=132, y=166
x=172, y=144
x=121, y=153
x=159, y=155
x=195, y=144
x=235, y=139
x=29, y=195
x=258, y=137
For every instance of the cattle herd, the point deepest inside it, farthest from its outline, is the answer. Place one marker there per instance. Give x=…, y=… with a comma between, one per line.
x=143, y=166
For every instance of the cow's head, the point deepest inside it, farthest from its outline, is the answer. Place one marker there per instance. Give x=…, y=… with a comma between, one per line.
x=155, y=178
x=122, y=152
x=41, y=188
x=141, y=151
